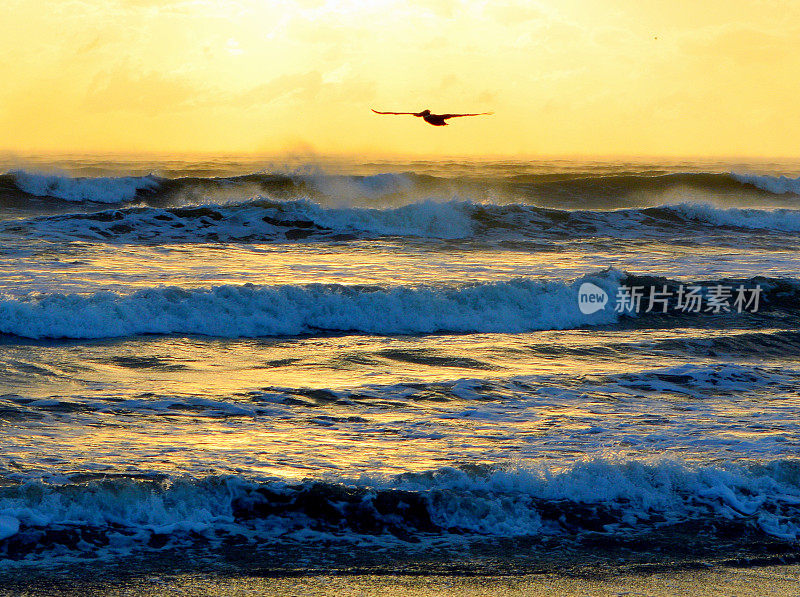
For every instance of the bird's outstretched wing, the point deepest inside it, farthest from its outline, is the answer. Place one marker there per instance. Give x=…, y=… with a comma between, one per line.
x=411, y=113
x=458, y=115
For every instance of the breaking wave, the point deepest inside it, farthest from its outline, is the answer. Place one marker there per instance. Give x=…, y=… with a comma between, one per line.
x=107, y=517
x=513, y=306
x=573, y=189
x=779, y=185
x=158, y=190
x=280, y=221
x=96, y=190
x=251, y=311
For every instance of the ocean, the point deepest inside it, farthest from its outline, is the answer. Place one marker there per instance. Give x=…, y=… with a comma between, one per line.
x=237, y=364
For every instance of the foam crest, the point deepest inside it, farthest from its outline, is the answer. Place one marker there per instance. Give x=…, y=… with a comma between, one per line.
x=97, y=190
x=268, y=220
x=259, y=220
x=251, y=311
x=601, y=496
x=576, y=190
x=783, y=220
x=672, y=489
x=431, y=219
x=779, y=185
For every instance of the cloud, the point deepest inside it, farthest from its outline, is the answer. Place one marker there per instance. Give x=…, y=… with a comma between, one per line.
x=300, y=85
x=309, y=89
x=150, y=93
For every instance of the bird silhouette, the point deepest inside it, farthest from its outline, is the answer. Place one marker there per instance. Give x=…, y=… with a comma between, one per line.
x=434, y=119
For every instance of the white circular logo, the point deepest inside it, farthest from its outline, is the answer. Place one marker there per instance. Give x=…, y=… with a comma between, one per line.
x=591, y=298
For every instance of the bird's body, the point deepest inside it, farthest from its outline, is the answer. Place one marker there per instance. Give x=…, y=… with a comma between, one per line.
x=434, y=119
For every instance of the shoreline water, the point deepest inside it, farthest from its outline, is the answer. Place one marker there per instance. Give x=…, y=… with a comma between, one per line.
x=592, y=563
x=698, y=581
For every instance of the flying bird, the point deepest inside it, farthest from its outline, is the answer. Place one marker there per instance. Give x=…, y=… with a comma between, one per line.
x=434, y=119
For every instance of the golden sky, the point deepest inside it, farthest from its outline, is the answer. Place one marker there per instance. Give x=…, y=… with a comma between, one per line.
x=594, y=77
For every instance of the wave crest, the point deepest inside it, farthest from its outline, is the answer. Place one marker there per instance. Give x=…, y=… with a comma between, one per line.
x=267, y=220
x=96, y=190
x=613, y=500
x=252, y=311
x=778, y=185
x=575, y=190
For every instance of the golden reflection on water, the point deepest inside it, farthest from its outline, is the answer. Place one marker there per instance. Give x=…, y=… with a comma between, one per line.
x=96, y=268
x=357, y=404
x=220, y=367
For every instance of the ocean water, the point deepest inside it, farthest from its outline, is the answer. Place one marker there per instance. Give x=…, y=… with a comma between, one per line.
x=224, y=356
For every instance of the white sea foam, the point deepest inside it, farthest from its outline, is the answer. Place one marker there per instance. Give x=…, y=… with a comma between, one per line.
x=675, y=490
x=425, y=219
x=263, y=219
x=784, y=220
x=501, y=503
x=779, y=185
x=260, y=220
x=137, y=506
x=700, y=380
x=249, y=311
x=9, y=526
x=98, y=190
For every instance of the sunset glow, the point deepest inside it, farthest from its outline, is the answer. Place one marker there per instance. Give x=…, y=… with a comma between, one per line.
x=571, y=77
